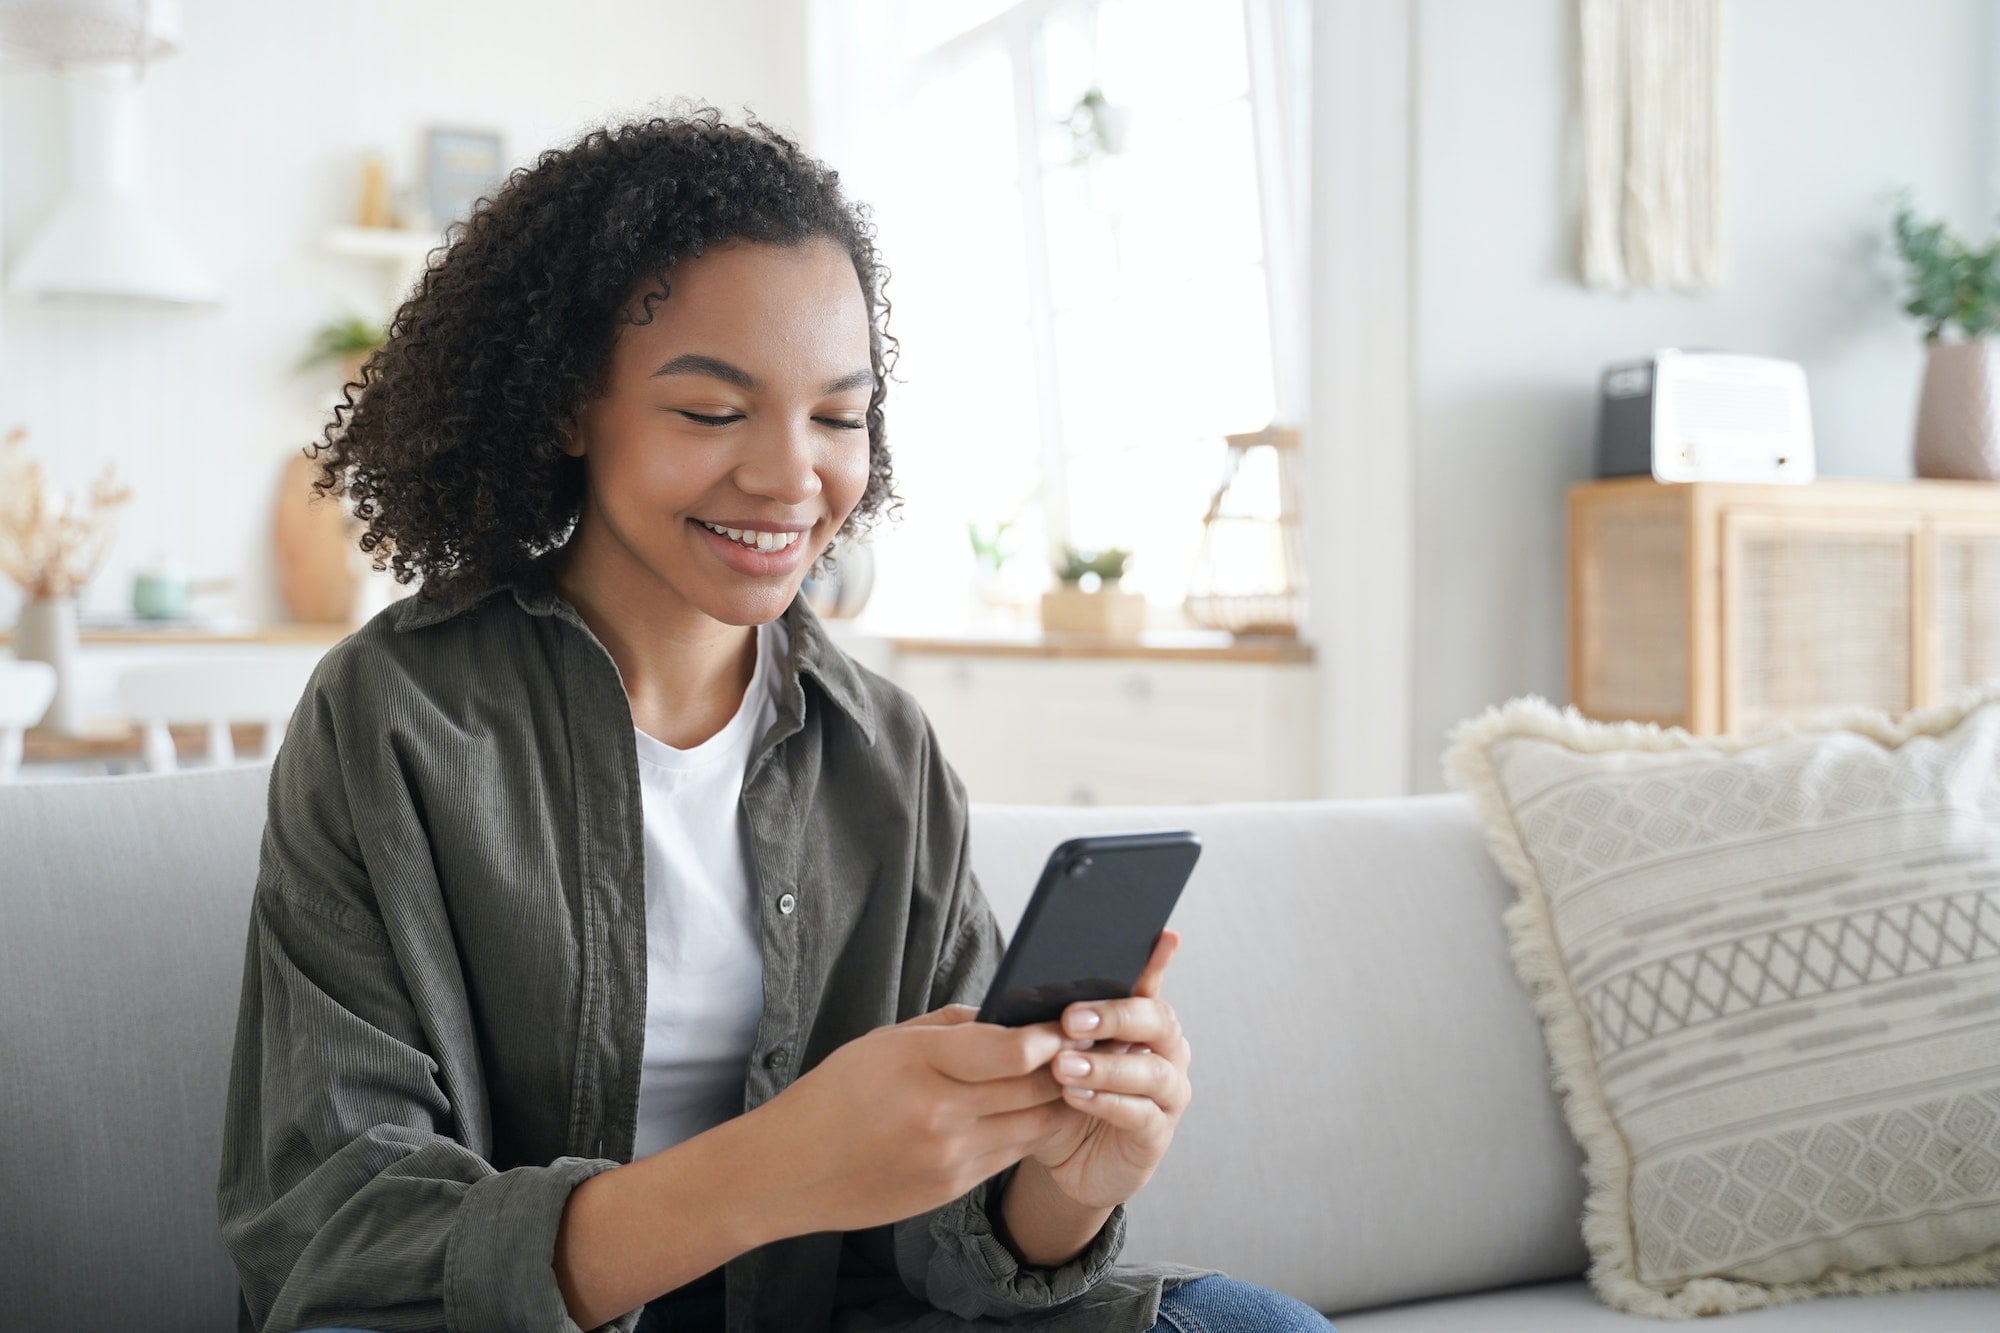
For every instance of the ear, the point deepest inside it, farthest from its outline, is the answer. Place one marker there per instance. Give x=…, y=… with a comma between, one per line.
x=571, y=439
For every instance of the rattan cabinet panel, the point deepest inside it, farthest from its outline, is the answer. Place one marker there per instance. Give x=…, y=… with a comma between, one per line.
x=1968, y=590
x=1727, y=607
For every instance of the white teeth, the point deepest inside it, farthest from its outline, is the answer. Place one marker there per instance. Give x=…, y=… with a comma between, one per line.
x=760, y=541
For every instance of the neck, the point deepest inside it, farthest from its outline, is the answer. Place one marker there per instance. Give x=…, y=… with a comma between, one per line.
x=685, y=672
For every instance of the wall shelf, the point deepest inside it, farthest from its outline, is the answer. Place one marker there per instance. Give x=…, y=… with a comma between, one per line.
x=403, y=251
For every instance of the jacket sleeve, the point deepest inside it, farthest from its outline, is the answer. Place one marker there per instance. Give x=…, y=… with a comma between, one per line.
x=347, y=1193
x=952, y=1257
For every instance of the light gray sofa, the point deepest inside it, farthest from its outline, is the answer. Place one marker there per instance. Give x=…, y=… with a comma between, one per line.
x=1372, y=1128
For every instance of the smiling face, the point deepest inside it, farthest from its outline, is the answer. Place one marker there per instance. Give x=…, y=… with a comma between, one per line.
x=731, y=441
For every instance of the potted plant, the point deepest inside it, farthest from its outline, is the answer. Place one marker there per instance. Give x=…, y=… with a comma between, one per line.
x=992, y=547
x=1098, y=127
x=1089, y=600
x=348, y=341
x=1954, y=289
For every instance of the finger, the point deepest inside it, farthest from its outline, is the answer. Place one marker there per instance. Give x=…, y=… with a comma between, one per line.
x=1164, y=949
x=1013, y=1134
x=1138, y=1116
x=1142, y=1018
x=978, y=1052
x=1147, y=1075
x=998, y=1096
x=948, y=1016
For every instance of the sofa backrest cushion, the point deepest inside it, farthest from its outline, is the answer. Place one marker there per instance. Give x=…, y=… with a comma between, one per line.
x=1372, y=1118
x=123, y=909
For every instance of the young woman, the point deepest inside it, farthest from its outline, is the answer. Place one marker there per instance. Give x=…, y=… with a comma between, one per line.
x=615, y=933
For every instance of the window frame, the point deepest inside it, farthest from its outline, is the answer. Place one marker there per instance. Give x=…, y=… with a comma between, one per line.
x=1275, y=108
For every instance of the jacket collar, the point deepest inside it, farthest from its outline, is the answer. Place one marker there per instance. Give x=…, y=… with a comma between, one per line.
x=813, y=651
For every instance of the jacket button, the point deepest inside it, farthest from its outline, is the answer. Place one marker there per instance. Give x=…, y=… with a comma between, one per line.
x=774, y=1057
x=786, y=903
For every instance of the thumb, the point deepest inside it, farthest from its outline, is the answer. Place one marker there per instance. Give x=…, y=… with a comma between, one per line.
x=949, y=1016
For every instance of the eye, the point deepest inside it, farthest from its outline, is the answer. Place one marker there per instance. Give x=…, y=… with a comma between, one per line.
x=843, y=423
x=709, y=420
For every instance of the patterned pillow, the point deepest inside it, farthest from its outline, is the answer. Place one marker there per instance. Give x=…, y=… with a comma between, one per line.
x=1768, y=971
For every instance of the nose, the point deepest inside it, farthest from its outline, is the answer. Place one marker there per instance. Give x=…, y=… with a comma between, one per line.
x=782, y=461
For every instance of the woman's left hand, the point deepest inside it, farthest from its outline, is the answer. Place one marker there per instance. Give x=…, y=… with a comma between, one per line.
x=1130, y=1092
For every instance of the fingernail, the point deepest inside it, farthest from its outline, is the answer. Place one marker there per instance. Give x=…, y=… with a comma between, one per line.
x=1073, y=1065
x=1083, y=1020
x=1081, y=1092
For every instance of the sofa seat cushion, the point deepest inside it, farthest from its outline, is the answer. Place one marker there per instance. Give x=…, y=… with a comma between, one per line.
x=1571, y=1307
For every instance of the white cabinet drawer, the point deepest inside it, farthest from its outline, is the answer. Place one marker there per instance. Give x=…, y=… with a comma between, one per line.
x=1059, y=730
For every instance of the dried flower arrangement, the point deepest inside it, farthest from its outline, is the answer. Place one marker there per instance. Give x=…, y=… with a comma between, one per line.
x=51, y=541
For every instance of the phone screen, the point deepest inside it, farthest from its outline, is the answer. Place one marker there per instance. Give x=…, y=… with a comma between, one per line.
x=1091, y=924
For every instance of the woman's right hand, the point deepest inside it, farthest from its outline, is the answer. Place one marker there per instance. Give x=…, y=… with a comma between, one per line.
x=905, y=1118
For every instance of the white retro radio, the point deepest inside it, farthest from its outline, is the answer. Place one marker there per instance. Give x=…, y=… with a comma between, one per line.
x=1705, y=416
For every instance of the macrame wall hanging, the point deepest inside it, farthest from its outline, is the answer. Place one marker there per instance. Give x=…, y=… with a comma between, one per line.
x=1652, y=142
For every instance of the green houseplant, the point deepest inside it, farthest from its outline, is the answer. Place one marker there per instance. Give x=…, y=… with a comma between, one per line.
x=1954, y=292
x=348, y=341
x=1077, y=562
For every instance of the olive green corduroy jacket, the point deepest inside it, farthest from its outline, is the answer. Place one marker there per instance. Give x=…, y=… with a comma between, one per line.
x=443, y=1006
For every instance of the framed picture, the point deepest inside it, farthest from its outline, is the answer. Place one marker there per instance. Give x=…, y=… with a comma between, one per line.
x=459, y=167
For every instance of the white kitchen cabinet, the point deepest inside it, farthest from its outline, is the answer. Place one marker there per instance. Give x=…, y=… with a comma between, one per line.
x=1022, y=728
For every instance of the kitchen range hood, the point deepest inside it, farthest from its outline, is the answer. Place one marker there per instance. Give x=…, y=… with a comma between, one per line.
x=104, y=241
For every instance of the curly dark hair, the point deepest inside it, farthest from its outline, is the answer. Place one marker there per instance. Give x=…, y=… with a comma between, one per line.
x=450, y=444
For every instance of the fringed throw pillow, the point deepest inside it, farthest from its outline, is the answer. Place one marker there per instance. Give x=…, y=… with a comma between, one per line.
x=1768, y=971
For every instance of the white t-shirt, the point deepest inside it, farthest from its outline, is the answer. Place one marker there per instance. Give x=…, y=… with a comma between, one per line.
x=704, y=969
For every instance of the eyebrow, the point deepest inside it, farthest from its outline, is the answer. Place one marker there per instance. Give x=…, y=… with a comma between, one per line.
x=695, y=363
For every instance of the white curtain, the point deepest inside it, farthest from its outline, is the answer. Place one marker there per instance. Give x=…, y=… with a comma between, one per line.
x=1280, y=49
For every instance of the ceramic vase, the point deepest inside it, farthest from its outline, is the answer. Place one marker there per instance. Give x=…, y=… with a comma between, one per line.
x=843, y=592
x=1958, y=413
x=47, y=633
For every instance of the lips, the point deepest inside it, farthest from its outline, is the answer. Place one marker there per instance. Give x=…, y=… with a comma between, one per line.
x=749, y=559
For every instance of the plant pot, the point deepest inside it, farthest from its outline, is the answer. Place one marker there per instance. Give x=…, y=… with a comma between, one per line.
x=1109, y=610
x=1958, y=413
x=47, y=633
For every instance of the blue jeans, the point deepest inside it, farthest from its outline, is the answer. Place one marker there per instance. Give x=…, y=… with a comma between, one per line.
x=1204, y=1305
x=1226, y=1305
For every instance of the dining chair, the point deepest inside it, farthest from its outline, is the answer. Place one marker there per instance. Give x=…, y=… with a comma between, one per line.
x=217, y=692
x=25, y=691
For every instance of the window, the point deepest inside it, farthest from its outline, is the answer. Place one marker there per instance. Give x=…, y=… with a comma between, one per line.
x=1070, y=201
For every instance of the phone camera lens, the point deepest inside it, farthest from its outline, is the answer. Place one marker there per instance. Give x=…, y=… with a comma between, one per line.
x=1078, y=866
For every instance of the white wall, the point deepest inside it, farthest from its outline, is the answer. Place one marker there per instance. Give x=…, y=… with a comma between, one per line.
x=255, y=134
x=1831, y=106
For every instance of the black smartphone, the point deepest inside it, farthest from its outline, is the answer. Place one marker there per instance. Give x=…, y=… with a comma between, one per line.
x=1090, y=927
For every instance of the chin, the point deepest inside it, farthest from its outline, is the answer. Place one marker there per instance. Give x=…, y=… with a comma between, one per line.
x=751, y=607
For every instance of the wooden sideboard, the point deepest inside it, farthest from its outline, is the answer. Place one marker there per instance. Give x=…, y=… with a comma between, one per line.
x=1721, y=607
